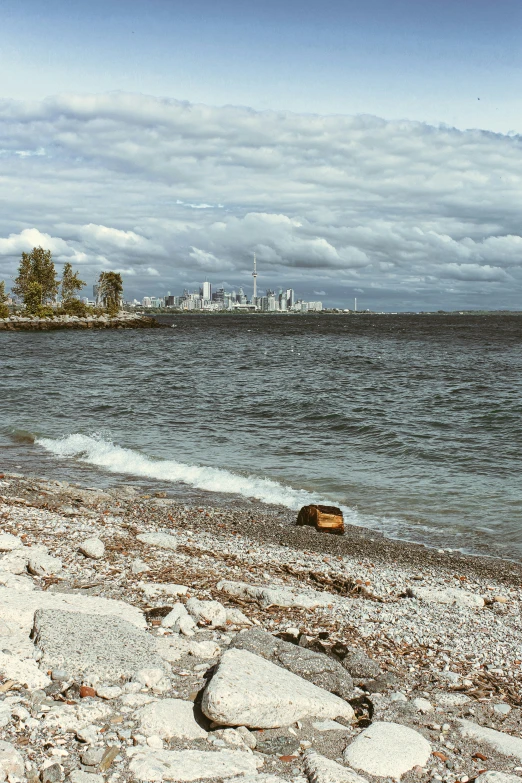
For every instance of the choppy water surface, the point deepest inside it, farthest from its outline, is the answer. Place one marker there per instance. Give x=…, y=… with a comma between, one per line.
x=411, y=423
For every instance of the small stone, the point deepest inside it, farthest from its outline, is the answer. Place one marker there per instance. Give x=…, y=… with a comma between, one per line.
x=91, y=757
x=139, y=566
x=192, y=765
x=497, y=777
x=277, y=746
x=59, y=675
x=162, y=540
x=398, y=696
x=423, y=706
x=247, y=736
x=51, y=774
x=108, y=691
x=93, y=548
x=155, y=742
x=42, y=564
x=87, y=692
x=170, y=718
x=502, y=709
x=177, y=612
x=323, y=770
x=204, y=613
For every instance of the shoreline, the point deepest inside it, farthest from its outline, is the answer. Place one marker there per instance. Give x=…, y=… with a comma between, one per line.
x=27, y=324
x=427, y=641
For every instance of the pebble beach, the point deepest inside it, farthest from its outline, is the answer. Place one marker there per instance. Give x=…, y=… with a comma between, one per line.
x=144, y=639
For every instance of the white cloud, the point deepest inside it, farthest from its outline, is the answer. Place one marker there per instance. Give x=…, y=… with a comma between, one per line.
x=168, y=189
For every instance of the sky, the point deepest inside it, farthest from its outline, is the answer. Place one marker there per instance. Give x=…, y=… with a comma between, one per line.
x=369, y=149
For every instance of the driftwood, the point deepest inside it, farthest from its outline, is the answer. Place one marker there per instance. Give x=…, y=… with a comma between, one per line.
x=326, y=518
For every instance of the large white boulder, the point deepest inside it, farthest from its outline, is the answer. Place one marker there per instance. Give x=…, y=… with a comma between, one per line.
x=170, y=718
x=185, y=766
x=504, y=743
x=276, y=596
x=319, y=769
x=387, y=750
x=247, y=690
x=451, y=596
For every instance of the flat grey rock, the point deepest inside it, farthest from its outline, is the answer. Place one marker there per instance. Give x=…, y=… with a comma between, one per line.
x=360, y=665
x=170, y=718
x=105, y=648
x=247, y=690
x=182, y=766
x=452, y=596
x=387, y=750
x=315, y=667
x=276, y=596
x=504, y=743
x=11, y=761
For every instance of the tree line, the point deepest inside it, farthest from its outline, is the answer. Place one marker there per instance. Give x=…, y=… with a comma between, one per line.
x=38, y=286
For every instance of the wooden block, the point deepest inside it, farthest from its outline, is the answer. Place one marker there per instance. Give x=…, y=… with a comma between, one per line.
x=329, y=519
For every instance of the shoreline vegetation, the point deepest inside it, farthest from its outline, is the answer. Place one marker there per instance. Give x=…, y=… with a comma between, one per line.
x=120, y=321
x=251, y=645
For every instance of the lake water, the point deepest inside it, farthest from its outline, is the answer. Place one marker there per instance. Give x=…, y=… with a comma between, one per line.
x=411, y=423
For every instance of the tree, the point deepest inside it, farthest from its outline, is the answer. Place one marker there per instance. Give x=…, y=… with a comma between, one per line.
x=4, y=310
x=110, y=290
x=36, y=274
x=71, y=283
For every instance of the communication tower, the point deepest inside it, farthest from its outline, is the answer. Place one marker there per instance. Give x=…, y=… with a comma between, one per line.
x=254, y=275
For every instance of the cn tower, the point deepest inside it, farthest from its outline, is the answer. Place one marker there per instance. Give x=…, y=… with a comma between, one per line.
x=254, y=275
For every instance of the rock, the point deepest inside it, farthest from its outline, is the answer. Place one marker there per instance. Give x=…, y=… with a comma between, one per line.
x=105, y=648
x=497, y=777
x=59, y=675
x=451, y=595
x=86, y=692
x=11, y=761
x=399, y=697
x=502, y=709
x=153, y=589
x=247, y=690
x=452, y=699
x=260, y=779
x=185, y=626
x=277, y=746
x=139, y=567
x=360, y=666
x=276, y=596
x=108, y=692
x=51, y=774
x=237, y=618
x=23, y=671
x=210, y=613
x=326, y=518
x=204, y=650
x=380, y=684
x=14, y=582
x=178, y=611
x=77, y=776
x=93, y=548
x=163, y=540
x=92, y=756
x=8, y=542
x=42, y=564
x=503, y=743
x=191, y=765
x=150, y=677
x=15, y=562
x=423, y=706
x=387, y=750
x=170, y=718
x=322, y=770
x=247, y=737
x=315, y=667
x=329, y=725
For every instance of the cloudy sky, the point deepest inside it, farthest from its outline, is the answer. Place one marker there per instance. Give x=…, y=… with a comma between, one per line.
x=367, y=149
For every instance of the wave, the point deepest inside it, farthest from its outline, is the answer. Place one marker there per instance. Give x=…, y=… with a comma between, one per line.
x=102, y=453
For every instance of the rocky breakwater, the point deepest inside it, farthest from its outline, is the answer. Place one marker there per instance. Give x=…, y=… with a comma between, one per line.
x=141, y=640
x=18, y=323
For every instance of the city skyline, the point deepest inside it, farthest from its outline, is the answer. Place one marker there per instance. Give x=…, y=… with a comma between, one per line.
x=368, y=150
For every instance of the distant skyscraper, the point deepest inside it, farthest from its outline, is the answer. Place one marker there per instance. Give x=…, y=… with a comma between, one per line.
x=254, y=275
x=290, y=297
x=206, y=291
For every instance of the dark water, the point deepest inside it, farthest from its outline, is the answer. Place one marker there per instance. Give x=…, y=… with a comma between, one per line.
x=412, y=423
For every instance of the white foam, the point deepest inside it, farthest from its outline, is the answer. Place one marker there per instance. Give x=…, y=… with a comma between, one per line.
x=104, y=454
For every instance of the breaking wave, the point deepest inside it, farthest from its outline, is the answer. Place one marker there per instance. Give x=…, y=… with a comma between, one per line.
x=104, y=454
